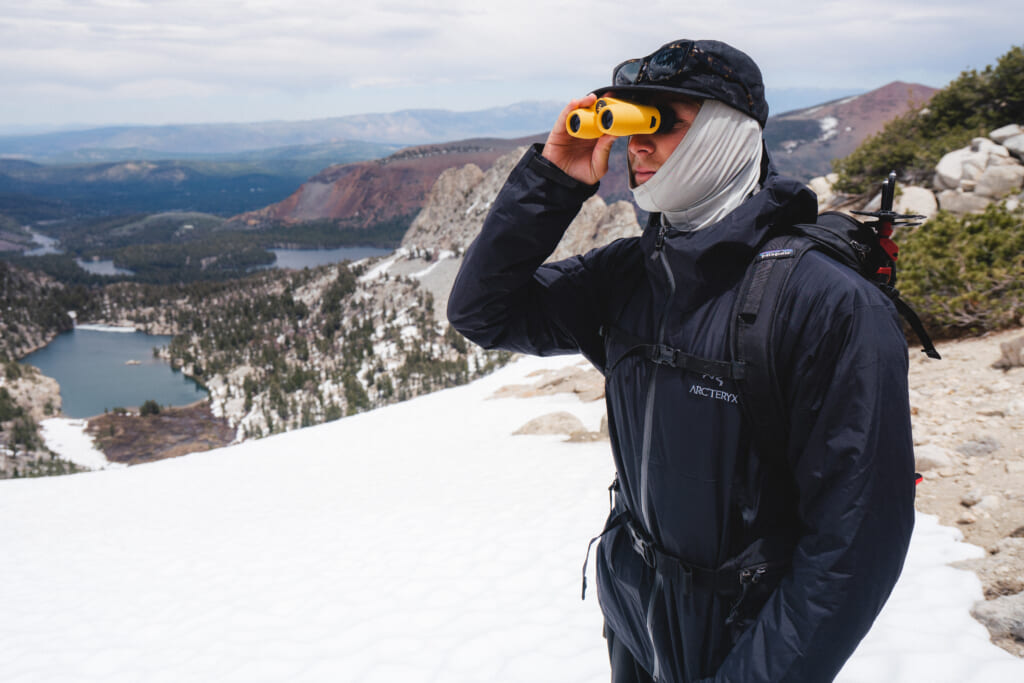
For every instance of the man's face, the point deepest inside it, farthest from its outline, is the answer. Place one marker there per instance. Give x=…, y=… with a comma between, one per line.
x=647, y=153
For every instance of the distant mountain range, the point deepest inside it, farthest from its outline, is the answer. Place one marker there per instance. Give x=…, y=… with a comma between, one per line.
x=31, y=192
x=230, y=140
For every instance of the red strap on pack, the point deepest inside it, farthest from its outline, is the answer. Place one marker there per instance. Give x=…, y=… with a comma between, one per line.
x=885, y=240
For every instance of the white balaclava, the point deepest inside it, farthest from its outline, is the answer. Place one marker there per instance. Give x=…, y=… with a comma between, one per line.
x=712, y=171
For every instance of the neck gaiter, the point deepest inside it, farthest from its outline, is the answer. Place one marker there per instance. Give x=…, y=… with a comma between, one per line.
x=712, y=171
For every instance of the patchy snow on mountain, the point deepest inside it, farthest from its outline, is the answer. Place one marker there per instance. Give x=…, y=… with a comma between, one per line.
x=829, y=127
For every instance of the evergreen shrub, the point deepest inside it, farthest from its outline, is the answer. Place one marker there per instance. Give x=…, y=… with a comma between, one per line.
x=149, y=407
x=965, y=275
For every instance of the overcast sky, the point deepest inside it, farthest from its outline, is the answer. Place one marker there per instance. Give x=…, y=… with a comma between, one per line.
x=90, y=62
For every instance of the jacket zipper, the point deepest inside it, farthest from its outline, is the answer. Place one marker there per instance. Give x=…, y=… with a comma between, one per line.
x=645, y=453
x=752, y=575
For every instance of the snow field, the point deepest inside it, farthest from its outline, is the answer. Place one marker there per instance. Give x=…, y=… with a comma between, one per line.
x=418, y=543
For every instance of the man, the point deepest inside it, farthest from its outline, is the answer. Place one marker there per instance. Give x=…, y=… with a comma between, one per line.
x=724, y=558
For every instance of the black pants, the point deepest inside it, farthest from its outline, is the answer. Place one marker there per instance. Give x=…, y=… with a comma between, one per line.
x=625, y=669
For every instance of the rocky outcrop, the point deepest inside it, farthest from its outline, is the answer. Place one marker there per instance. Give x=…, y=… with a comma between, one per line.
x=596, y=224
x=969, y=179
x=457, y=204
x=561, y=422
x=461, y=197
x=583, y=381
x=966, y=180
x=454, y=214
x=26, y=398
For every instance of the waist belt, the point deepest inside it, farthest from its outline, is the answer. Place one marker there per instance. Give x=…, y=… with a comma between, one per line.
x=729, y=579
x=725, y=580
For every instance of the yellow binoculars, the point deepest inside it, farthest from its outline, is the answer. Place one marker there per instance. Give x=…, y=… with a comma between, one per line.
x=609, y=116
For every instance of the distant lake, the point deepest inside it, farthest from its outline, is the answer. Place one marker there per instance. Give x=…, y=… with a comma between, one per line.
x=47, y=245
x=103, y=268
x=297, y=259
x=291, y=259
x=94, y=373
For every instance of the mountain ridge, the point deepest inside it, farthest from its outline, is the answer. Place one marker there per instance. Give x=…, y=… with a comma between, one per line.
x=803, y=142
x=405, y=127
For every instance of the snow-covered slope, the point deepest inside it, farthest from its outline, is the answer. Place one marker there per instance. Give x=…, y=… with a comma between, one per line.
x=419, y=542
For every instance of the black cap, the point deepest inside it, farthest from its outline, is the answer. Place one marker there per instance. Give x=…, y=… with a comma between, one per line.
x=705, y=69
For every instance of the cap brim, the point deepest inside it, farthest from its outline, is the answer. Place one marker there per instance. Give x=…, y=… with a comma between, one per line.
x=679, y=92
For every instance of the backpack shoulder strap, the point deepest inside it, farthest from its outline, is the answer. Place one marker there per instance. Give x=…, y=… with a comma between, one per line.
x=753, y=317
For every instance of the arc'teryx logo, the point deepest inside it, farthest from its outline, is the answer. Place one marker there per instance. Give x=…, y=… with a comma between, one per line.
x=716, y=394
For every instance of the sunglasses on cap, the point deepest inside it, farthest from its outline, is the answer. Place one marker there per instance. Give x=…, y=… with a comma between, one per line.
x=687, y=67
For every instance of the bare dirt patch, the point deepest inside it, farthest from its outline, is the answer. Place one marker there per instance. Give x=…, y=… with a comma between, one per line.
x=133, y=439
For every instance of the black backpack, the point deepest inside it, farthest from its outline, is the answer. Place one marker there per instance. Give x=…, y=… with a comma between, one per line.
x=865, y=247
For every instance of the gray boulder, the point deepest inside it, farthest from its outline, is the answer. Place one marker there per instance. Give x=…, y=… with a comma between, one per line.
x=960, y=203
x=951, y=169
x=1001, y=135
x=989, y=503
x=928, y=457
x=972, y=498
x=983, y=445
x=1015, y=146
x=1012, y=355
x=553, y=423
x=998, y=181
x=822, y=186
x=917, y=201
x=959, y=168
x=1003, y=616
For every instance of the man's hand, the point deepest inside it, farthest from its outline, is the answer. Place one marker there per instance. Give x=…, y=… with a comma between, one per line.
x=584, y=160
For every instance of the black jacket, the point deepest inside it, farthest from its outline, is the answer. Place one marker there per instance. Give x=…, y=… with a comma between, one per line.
x=771, y=567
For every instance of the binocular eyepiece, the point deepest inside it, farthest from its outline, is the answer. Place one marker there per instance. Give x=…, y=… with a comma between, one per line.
x=610, y=116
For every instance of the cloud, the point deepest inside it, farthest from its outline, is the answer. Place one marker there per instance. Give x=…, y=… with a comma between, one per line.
x=460, y=48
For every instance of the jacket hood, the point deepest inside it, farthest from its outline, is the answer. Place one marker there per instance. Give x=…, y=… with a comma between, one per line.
x=707, y=261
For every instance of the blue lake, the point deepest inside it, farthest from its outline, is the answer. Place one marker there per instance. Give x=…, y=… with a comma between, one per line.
x=292, y=259
x=102, y=268
x=47, y=245
x=297, y=259
x=100, y=370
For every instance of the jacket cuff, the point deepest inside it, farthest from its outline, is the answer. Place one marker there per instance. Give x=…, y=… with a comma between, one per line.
x=536, y=162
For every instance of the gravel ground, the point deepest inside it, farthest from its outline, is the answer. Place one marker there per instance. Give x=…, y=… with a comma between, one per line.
x=969, y=438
